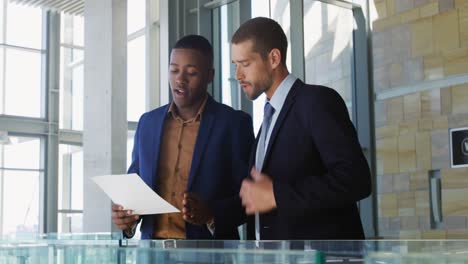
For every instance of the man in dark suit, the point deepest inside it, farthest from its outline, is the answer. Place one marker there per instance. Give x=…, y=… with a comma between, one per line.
x=193, y=152
x=307, y=167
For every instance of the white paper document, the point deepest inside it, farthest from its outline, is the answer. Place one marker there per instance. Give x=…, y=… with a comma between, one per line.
x=130, y=191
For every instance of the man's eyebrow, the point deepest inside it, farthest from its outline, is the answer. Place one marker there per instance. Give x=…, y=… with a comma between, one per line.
x=187, y=65
x=240, y=61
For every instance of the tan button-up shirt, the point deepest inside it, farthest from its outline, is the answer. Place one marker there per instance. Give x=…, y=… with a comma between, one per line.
x=178, y=143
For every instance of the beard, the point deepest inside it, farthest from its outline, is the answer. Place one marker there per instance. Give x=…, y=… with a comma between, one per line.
x=257, y=88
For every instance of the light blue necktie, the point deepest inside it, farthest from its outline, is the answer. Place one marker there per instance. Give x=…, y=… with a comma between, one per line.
x=268, y=111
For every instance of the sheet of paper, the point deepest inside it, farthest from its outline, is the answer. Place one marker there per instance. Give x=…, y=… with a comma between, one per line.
x=130, y=191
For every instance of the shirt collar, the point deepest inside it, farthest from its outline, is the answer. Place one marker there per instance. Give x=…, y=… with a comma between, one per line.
x=173, y=111
x=278, y=98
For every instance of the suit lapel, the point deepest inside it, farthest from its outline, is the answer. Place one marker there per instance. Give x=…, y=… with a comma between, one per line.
x=282, y=115
x=202, y=139
x=156, y=144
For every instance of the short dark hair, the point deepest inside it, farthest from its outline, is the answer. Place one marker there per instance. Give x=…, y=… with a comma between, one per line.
x=265, y=33
x=196, y=42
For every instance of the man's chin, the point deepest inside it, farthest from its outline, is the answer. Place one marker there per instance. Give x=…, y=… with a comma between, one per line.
x=252, y=96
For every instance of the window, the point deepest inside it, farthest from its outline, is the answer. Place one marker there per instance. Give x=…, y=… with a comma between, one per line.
x=21, y=52
x=136, y=78
x=71, y=72
x=21, y=174
x=136, y=59
x=328, y=38
x=70, y=189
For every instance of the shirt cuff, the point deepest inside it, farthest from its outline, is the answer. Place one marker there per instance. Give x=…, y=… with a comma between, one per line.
x=211, y=226
x=129, y=233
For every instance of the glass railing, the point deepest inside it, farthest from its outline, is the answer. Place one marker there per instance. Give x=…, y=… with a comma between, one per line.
x=111, y=248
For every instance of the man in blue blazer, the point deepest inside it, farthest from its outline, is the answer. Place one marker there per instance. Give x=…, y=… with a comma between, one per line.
x=307, y=168
x=193, y=152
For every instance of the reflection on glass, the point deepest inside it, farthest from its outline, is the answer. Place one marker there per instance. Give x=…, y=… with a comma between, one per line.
x=136, y=90
x=70, y=177
x=77, y=97
x=78, y=30
x=22, y=153
x=71, y=72
x=1, y=20
x=135, y=15
x=229, y=22
x=72, y=30
x=70, y=223
x=24, y=26
x=23, y=95
x=2, y=91
x=20, y=202
x=328, y=32
x=71, y=89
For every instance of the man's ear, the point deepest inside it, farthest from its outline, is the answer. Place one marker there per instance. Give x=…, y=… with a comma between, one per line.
x=211, y=73
x=275, y=58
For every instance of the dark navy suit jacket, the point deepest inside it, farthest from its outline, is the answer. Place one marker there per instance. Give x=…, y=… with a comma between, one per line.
x=219, y=165
x=318, y=169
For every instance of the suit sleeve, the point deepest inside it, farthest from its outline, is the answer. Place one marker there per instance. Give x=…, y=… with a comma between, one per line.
x=229, y=212
x=347, y=177
x=135, y=165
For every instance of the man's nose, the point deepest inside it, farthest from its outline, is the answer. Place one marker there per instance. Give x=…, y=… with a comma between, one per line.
x=239, y=74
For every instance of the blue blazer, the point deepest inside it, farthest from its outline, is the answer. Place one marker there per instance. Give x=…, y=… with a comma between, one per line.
x=219, y=165
x=318, y=169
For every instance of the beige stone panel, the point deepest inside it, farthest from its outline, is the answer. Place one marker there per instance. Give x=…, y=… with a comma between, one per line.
x=421, y=37
x=395, y=110
x=410, y=234
x=387, y=131
x=454, y=54
x=430, y=103
x=406, y=211
x=412, y=106
x=457, y=234
x=440, y=122
x=419, y=181
x=423, y=151
x=410, y=15
x=460, y=99
x=388, y=148
x=455, y=201
x=379, y=166
x=458, y=120
x=425, y=124
x=406, y=200
x=407, y=153
x=388, y=205
x=386, y=23
x=429, y=10
x=440, y=149
x=462, y=6
x=396, y=74
x=446, y=33
x=456, y=66
x=390, y=7
x=408, y=128
x=422, y=203
x=446, y=101
x=454, y=178
x=434, y=234
x=461, y=3
x=381, y=8
x=433, y=67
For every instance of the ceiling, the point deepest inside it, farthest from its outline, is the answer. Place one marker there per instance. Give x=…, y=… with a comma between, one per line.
x=73, y=7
